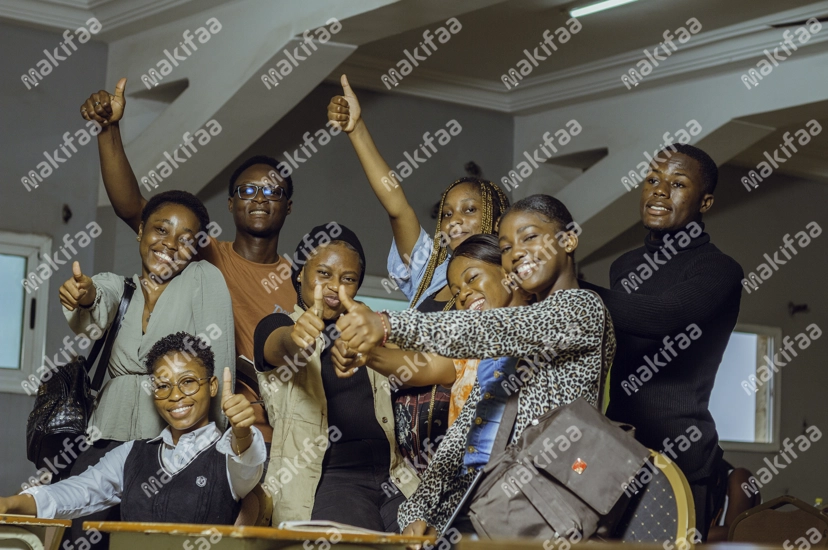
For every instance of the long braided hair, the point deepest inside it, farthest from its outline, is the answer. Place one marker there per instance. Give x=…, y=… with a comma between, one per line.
x=495, y=202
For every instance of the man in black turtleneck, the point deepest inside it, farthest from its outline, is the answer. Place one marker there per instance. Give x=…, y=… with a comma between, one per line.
x=674, y=303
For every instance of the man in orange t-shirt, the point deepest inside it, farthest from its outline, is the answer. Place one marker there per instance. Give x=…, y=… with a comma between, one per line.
x=250, y=264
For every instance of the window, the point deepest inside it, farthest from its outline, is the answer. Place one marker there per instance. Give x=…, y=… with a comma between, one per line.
x=22, y=309
x=378, y=293
x=745, y=400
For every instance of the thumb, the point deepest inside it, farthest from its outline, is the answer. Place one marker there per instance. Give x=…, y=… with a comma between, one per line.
x=349, y=304
x=346, y=88
x=318, y=306
x=119, y=88
x=227, y=386
x=76, y=271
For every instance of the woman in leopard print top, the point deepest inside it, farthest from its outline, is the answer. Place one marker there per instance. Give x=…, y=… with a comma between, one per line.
x=566, y=341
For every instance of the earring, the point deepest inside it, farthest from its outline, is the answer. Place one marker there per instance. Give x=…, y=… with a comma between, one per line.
x=138, y=239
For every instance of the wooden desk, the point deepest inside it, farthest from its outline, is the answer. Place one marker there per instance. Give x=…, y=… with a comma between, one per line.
x=175, y=536
x=31, y=532
x=519, y=544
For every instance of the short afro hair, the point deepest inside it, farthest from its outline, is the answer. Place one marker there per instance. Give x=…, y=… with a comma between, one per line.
x=547, y=206
x=482, y=247
x=707, y=167
x=185, y=343
x=269, y=161
x=185, y=199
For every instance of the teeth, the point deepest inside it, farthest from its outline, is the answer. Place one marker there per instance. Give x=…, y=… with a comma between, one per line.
x=258, y=212
x=181, y=409
x=477, y=304
x=163, y=256
x=658, y=208
x=525, y=269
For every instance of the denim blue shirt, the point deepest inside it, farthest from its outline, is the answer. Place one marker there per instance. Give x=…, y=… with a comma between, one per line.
x=488, y=412
x=408, y=277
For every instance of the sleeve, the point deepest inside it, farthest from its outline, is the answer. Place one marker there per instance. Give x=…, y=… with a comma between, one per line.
x=98, y=488
x=245, y=470
x=709, y=282
x=209, y=250
x=109, y=288
x=441, y=489
x=265, y=327
x=408, y=277
x=566, y=316
x=213, y=316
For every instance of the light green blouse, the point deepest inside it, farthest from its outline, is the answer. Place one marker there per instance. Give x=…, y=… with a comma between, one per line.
x=195, y=301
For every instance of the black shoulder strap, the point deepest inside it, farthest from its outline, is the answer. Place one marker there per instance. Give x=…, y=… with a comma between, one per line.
x=507, y=421
x=107, y=341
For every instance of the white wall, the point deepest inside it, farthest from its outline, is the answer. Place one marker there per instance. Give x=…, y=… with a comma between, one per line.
x=746, y=225
x=33, y=121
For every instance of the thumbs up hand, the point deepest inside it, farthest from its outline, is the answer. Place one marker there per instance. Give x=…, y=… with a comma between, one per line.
x=360, y=329
x=105, y=108
x=344, y=110
x=310, y=325
x=238, y=410
x=79, y=290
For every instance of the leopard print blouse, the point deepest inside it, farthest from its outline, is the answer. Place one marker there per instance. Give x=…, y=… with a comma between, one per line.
x=566, y=342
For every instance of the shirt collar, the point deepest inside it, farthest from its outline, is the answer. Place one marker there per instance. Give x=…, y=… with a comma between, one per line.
x=208, y=434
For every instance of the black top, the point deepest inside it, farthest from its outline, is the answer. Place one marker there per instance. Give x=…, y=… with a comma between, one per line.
x=350, y=400
x=198, y=493
x=430, y=305
x=665, y=394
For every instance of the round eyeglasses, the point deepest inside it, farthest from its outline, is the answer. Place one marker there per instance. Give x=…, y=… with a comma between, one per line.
x=187, y=386
x=248, y=191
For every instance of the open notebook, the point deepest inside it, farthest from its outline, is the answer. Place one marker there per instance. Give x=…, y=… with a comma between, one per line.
x=327, y=527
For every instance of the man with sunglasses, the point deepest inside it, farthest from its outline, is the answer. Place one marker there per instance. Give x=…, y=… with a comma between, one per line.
x=259, y=199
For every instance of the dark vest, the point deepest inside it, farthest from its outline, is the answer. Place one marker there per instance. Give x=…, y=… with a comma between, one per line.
x=198, y=493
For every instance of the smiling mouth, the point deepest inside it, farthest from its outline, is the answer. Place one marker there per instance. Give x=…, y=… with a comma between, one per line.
x=163, y=257
x=181, y=412
x=259, y=212
x=477, y=305
x=525, y=270
x=658, y=209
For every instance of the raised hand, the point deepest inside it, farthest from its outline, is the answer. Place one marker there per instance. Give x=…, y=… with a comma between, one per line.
x=238, y=410
x=310, y=325
x=77, y=291
x=105, y=108
x=346, y=361
x=361, y=329
x=344, y=110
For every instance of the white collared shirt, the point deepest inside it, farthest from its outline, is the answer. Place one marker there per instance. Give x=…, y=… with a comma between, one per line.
x=101, y=486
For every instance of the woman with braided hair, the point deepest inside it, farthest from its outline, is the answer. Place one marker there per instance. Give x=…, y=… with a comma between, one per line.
x=418, y=262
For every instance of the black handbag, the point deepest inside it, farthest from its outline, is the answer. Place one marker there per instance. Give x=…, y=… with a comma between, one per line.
x=64, y=402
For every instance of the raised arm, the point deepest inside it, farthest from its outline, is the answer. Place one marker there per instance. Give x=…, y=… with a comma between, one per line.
x=345, y=111
x=119, y=180
x=412, y=368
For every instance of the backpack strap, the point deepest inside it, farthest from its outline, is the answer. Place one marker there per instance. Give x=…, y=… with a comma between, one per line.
x=108, y=341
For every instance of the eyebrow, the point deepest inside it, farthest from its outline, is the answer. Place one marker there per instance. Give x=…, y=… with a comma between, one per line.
x=525, y=227
x=326, y=266
x=168, y=222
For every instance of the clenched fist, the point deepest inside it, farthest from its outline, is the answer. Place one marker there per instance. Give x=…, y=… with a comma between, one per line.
x=77, y=291
x=344, y=110
x=105, y=108
x=239, y=412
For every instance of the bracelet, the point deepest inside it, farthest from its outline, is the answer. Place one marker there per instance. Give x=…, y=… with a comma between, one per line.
x=384, y=327
x=238, y=447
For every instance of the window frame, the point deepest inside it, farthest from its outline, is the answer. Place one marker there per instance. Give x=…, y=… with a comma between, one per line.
x=33, y=247
x=772, y=390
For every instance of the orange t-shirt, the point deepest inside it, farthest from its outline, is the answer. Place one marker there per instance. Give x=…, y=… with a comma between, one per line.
x=256, y=290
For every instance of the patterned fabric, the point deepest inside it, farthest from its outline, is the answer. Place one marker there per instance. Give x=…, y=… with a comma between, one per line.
x=652, y=514
x=488, y=412
x=465, y=374
x=421, y=421
x=565, y=341
x=408, y=277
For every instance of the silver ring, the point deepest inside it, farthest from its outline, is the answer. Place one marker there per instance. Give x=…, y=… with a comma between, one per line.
x=97, y=103
x=358, y=355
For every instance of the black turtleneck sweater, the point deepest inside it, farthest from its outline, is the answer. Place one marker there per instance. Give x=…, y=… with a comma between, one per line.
x=697, y=285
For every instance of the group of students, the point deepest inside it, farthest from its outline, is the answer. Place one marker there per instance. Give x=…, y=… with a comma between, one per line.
x=339, y=422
